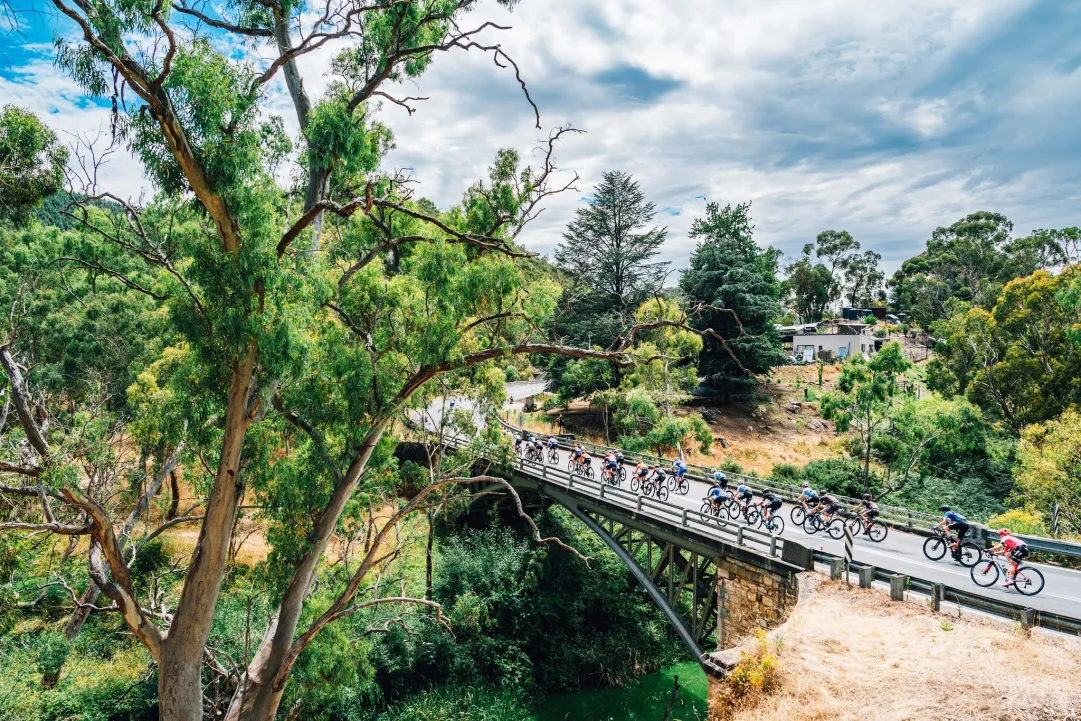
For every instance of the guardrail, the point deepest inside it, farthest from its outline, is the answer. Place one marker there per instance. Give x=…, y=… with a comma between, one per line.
x=896, y=516
x=967, y=599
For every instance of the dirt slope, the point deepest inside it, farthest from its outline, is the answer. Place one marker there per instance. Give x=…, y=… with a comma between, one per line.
x=854, y=654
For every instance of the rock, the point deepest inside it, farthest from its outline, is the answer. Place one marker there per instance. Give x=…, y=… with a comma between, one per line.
x=794, y=407
x=816, y=425
x=723, y=442
x=708, y=416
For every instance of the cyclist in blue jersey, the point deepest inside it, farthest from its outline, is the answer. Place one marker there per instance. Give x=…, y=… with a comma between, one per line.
x=679, y=467
x=715, y=494
x=552, y=443
x=808, y=497
x=956, y=523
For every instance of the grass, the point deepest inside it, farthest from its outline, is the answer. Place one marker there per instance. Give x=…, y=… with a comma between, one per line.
x=854, y=654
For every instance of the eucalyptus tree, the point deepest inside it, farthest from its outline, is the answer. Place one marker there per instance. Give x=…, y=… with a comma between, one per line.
x=303, y=320
x=31, y=163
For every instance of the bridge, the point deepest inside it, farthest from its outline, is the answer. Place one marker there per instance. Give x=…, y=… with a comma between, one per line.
x=717, y=579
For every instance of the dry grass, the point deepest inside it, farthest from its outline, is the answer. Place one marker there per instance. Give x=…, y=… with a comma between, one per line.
x=854, y=654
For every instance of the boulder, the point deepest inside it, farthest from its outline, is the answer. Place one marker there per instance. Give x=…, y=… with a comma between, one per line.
x=794, y=407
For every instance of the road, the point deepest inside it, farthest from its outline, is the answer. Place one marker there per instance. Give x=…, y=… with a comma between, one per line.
x=900, y=552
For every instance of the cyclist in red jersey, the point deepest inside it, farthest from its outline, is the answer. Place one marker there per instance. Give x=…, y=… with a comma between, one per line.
x=1014, y=549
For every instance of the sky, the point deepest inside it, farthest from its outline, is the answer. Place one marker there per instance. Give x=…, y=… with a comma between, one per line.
x=886, y=119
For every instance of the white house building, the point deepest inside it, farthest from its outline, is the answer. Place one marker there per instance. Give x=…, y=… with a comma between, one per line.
x=847, y=339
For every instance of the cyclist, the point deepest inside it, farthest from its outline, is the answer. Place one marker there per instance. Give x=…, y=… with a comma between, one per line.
x=527, y=447
x=641, y=471
x=956, y=523
x=770, y=504
x=584, y=461
x=1014, y=549
x=517, y=442
x=679, y=467
x=744, y=494
x=868, y=510
x=829, y=506
x=611, y=465
x=715, y=494
x=576, y=452
x=658, y=475
x=619, y=457
x=808, y=497
x=553, y=444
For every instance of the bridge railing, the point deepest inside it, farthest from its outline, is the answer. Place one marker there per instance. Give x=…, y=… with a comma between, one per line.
x=896, y=516
x=669, y=513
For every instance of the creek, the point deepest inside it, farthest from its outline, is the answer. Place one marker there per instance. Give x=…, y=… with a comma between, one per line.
x=645, y=700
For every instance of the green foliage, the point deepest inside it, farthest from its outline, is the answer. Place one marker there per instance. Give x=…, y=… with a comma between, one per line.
x=462, y=703
x=53, y=650
x=843, y=476
x=729, y=272
x=1016, y=361
x=870, y=320
x=729, y=465
x=1048, y=472
x=808, y=287
x=32, y=163
x=1019, y=521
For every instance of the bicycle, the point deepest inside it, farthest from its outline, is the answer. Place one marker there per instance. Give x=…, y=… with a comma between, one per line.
x=1028, y=580
x=709, y=508
x=967, y=553
x=876, y=530
x=650, y=487
x=738, y=508
x=816, y=521
x=679, y=484
x=775, y=524
x=534, y=455
x=583, y=468
x=553, y=456
x=799, y=513
x=611, y=477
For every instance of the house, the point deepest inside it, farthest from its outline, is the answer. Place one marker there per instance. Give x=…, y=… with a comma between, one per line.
x=844, y=340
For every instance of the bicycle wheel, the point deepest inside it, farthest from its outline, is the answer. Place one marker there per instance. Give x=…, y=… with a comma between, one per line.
x=662, y=493
x=984, y=572
x=854, y=525
x=877, y=531
x=734, y=509
x=553, y=457
x=813, y=524
x=648, y=487
x=970, y=554
x=684, y=486
x=798, y=515
x=836, y=529
x=589, y=472
x=707, y=508
x=622, y=473
x=934, y=548
x=775, y=524
x=1028, y=580
x=570, y=465
x=634, y=484
x=752, y=516
x=671, y=483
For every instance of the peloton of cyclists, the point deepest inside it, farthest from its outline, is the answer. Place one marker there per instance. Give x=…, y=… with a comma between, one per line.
x=1014, y=549
x=956, y=523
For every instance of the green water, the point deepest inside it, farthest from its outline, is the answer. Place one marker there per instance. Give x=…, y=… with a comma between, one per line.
x=643, y=701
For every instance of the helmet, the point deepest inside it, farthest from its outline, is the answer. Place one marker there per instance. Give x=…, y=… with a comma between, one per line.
x=656, y=465
x=866, y=496
x=943, y=508
x=805, y=484
x=1003, y=532
x=766, y=490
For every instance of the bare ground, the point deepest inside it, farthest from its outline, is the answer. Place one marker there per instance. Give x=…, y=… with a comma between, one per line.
x=852, y=653
x=757, y=436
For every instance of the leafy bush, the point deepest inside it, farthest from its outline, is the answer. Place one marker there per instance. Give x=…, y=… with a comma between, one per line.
x=511, y=374
x=785, y=473
x=729, y=465
x=843, y=476
x=1019, y=521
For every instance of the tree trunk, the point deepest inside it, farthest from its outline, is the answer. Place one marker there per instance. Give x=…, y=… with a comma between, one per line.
x=428, y=557
x=180, y=691
x=174, y=501
x=260, y=691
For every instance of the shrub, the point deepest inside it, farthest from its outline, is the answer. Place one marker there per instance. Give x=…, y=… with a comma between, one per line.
x=511, y=374
x=785, y=473
x=752, y=678
x=1019, y=521
x=730, y=466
